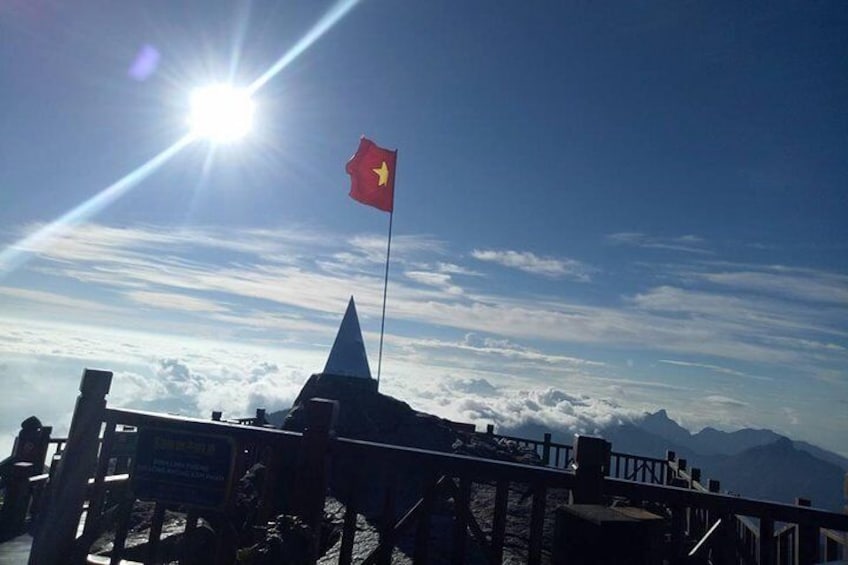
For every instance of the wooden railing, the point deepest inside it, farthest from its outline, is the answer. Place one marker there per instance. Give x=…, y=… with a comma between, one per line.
x=552, y=454
x=398, y=492
x=561, y=456
x=752, y=535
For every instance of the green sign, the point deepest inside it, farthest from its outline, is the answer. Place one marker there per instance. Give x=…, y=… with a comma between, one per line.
x=183, y=468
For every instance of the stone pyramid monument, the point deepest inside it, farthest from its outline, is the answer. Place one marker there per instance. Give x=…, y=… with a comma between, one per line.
x=347, y=357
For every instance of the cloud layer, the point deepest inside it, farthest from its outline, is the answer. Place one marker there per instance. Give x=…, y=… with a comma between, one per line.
x=709, y=329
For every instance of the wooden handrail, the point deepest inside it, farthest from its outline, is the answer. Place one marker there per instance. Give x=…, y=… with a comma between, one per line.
x=724, y=503
x=141, y=418
x=452, y=464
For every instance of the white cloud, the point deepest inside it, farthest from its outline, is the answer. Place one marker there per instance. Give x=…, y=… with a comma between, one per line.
x=724, y=401
x=531, y=263
x=715, y=369
x=803, y=285
x=56, y=300
x=503, y=348
x=174, y=301
x=439, y=280
x=247, y=292
x=291, y=296
x=684, y=243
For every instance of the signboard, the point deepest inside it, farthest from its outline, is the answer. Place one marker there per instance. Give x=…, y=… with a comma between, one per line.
x=183, y=468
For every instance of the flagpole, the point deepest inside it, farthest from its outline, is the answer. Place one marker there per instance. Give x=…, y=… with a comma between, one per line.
x=385, y=289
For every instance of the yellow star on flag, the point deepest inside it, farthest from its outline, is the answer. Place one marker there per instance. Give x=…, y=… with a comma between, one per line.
x=382, y=174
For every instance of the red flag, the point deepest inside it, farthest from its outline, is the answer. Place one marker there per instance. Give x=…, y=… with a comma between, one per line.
x=372, y=175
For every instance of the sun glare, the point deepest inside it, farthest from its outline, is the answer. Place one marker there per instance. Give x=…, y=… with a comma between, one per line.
x=221, y=113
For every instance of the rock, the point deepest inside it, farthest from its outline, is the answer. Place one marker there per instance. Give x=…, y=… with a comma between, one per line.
x=285, y=540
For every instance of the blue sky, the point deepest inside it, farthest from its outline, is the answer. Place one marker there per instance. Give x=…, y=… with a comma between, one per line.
x=637, y=205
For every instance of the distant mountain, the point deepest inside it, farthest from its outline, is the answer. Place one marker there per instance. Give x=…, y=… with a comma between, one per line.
x=659, y=424
x=632, y=439
x=758, y=463
x=781, y=472
x=822, y=454
x=712, y=441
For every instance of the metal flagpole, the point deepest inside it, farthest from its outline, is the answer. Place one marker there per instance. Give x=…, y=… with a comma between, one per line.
x=385, y=289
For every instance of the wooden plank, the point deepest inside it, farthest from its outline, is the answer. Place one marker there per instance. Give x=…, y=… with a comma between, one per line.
x=422, y=532
x=155, y=533
x=387, y=521
x=98, y=490
x=124, y=512
x=806, y=539
x=499, y=519
x=460, y=523
x=349, y=525
x=723, y=504
x=537, y=522
x=766, y=542
x=54, y=540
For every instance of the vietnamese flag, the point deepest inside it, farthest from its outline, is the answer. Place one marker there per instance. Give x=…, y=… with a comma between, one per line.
x=372, y=175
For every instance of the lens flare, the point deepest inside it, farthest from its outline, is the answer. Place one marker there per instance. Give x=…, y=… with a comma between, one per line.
x=322, y=26
x=17, y=253
x=221, y=113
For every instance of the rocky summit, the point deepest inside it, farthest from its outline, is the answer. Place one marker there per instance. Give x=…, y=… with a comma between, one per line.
x=366, y=414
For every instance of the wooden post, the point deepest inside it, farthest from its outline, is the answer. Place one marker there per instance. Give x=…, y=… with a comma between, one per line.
x=260, y=417
x=695, y=474
x=591, y=461
x=490, y=429
x=98, y=494
x=670, y=457
x=216, y=415
x=54, y=540
x=537, y=522
x=123, y=518
x=387, y=520
x=422, y=532
x=766, y=542
x=153, y=537
x=806, y=539
x=546, y=449
x=460, y=524
x=499, y=519
x=696, y=528
x=349, y=525
x=311, y=487
x=16, y=500
x=31, y=445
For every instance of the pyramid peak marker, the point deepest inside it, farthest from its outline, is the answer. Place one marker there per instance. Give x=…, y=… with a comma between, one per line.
x=347, y=356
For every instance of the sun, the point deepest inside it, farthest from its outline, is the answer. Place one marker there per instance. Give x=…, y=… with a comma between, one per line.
x=221, y=113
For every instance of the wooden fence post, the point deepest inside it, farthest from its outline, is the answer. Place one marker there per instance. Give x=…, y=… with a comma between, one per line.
x=670, y=457
x=16, y=501
x=499, y=519
x=54, y=540
x=546, y=449
x=490, y=429
x=311, y=487
x=806, y=539
x=591, y=461
x=767, y=542
x=31, y=444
